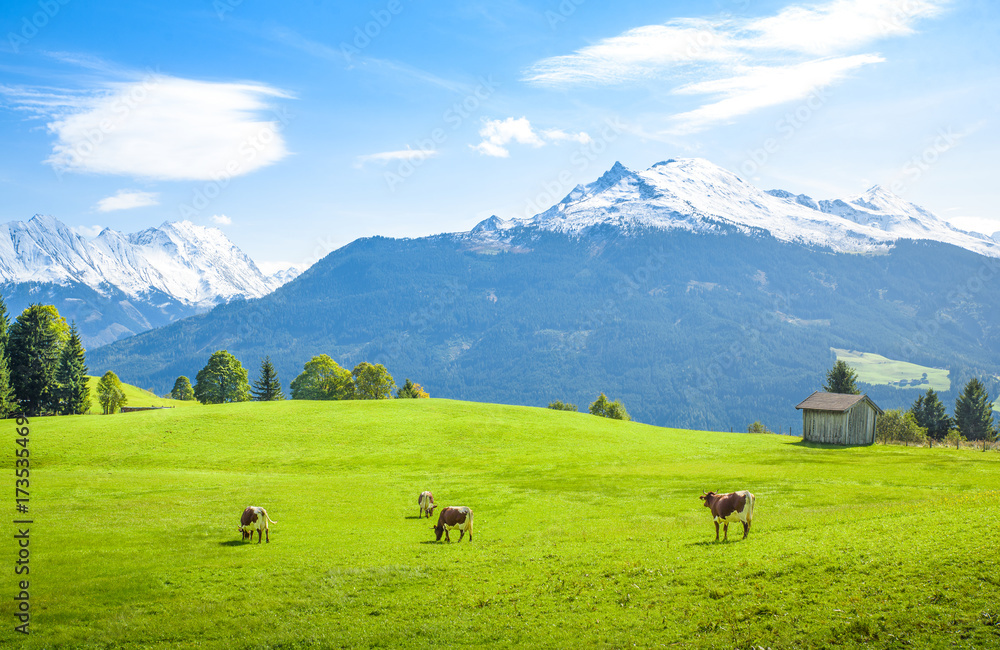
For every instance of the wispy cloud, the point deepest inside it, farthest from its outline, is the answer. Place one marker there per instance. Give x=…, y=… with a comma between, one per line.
x=386, y=157
x=498, y=134
x=742, y=61
x=126, y=200
x=87, y=231
x=221, y=220
x=160, y=127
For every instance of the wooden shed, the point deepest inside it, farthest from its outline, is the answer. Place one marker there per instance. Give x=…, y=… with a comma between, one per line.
x=839, y=419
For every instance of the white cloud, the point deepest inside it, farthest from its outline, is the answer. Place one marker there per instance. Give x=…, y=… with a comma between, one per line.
x=162, y=127
x=87, y=231
x=126, y=200
x=221, y=219
x=387, y=157
x=742, y=60
x=759, y=87
x=498, y=134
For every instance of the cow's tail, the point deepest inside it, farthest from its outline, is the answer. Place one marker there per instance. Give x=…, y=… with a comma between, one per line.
x=750, y=513
x=266, y=516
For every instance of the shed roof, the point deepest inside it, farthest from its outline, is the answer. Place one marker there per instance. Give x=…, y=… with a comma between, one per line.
x=820, y=401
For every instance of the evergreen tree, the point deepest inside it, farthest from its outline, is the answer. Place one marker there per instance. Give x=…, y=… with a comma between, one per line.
x=73, y=392
x=111, y=393
x=222, y=380
x=930, y=414
x=182, y=390
x=372, y=381
x=268, y=387
x=974, y=412
x=411, y=391
x=7, y=404
x=34, y=359
x=842, y=379
x=323, y=378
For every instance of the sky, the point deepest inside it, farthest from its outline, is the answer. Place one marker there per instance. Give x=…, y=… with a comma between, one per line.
x=298, y=127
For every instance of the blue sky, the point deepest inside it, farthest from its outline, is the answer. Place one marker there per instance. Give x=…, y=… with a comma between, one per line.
x=297, y=128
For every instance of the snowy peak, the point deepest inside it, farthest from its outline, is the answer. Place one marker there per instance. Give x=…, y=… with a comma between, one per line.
x=694, y=194
x=196, y=265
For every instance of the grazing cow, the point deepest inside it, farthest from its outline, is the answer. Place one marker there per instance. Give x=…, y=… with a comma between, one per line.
x=736, y=506
x=255, y=518
x=453, y=517
x=426, y=503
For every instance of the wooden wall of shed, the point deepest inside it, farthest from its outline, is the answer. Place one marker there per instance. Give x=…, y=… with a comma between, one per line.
x=856, y=426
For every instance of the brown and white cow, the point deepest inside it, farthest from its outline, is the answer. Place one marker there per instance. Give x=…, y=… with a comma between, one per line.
x=255, y=518
x=453, y=517
x=735, y=506
x=426, y=503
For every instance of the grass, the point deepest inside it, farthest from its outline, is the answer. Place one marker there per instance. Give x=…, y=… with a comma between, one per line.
x=875, y=369
x=136, y=397
x=588, y=533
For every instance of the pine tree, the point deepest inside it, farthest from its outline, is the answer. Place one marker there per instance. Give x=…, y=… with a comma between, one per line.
x=7, y=404
x=268, y=387
x=222, y=380
x=411, y=391
x=930, y=413
x=73, y=392
x=842, y=379
x=974, y=413
x=182, y=390
x=111, y=393
x=34, y=359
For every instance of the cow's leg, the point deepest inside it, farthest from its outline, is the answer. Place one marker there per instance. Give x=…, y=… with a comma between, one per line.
x=725, y=530
x=258, y=535
x=267, y=535
x=746, y=529
x=716, y=531
x=461, y=534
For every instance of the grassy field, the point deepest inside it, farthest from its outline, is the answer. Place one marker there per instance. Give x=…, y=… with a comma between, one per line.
x=588, y=533
x=136, y=397
x=876, y=369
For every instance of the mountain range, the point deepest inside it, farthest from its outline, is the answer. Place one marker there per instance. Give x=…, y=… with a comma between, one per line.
x=692, y=296
x=115, y=285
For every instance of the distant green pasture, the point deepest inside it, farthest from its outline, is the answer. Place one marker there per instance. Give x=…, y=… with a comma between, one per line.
x=587, y=533
x=876, y=369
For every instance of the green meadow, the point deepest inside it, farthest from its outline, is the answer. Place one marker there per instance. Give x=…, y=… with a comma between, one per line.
x=875, y=369
x=588, y=533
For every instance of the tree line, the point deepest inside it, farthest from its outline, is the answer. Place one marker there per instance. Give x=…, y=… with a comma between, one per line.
x=927, y=419
x=224, y=380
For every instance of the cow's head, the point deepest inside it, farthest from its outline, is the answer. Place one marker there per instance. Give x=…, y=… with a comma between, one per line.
x=430, y=508
x=244, y=531
x=708, y=498
x=438, y=531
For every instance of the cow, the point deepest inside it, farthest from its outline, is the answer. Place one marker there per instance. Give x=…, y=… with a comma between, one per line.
x=255, y=518
x=736, y=506
x=426, y=503
x=453, y=517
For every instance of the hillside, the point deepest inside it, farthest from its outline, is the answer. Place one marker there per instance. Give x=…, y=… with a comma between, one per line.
x=136, y=397
x=588, y=532
x=700, y=330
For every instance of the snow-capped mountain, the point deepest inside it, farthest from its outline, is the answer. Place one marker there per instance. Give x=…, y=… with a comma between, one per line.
x=195, y=265
x=696, y=195
x=117, y=284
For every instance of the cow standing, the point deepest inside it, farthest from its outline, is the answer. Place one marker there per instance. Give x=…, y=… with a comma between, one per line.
x=426, y=503
x=255, y=518
x=735, y=506
x=453, y=517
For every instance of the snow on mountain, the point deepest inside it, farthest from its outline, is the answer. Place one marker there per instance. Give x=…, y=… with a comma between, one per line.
x=694, y=194
x=196, y=265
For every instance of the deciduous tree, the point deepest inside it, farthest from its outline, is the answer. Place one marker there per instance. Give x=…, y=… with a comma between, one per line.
x=614, y=410
x=267, y=388
x=323, y=378
x=372, y=381
x=111, y=393
x=842, y=379
x=222, y=380
x=182, y=389
x=899, y=426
